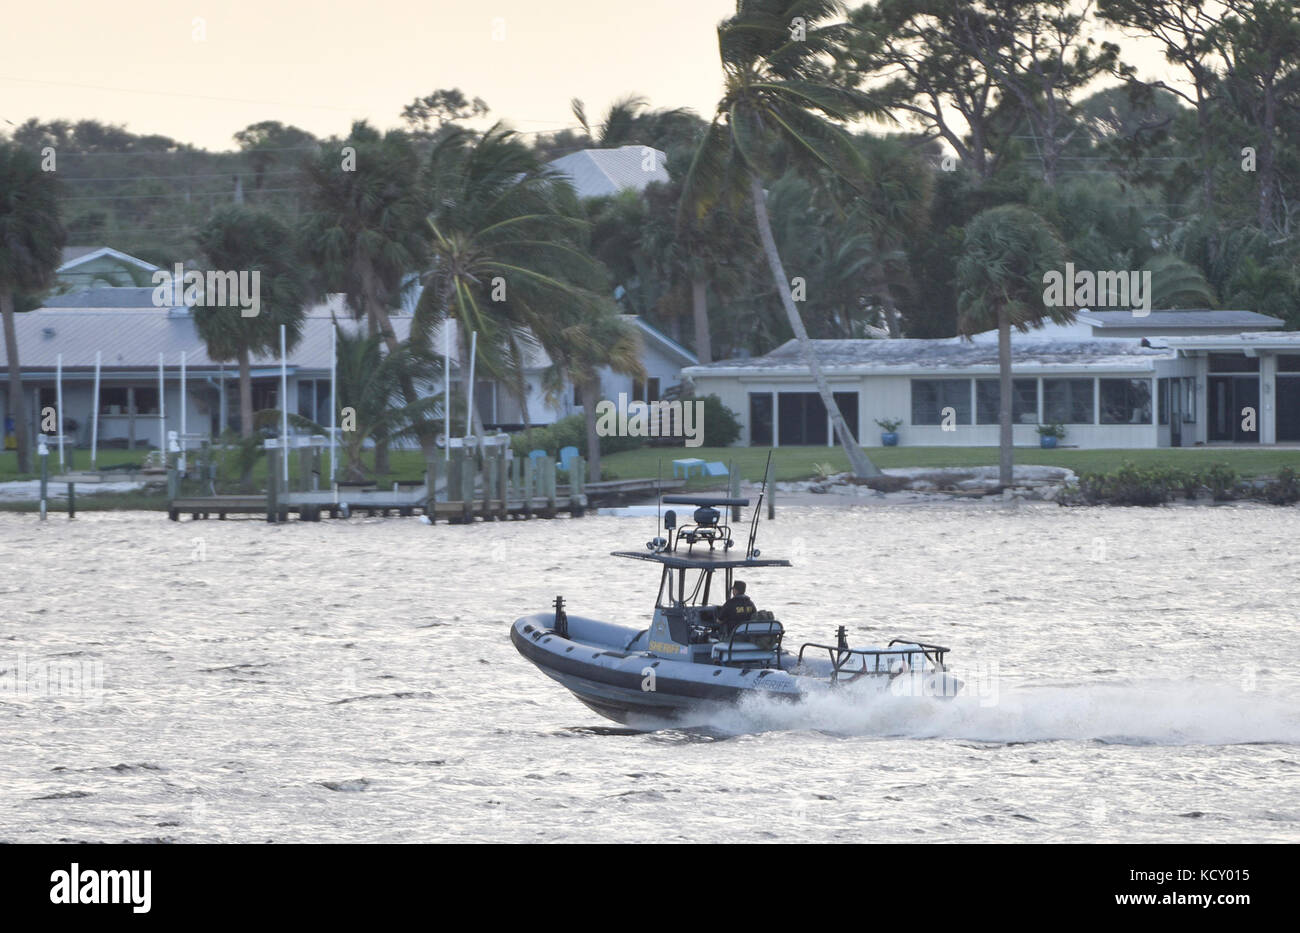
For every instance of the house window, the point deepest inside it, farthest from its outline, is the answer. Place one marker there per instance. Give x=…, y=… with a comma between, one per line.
x=307, y=399
x=264, y=394
x=113, y=400
x=847, y=403
x=1288, y=363
x=802, y=418
x=760, y=419
x=146, y=400
x=1024, y=401
x=322, y=401
x=1067, y=401
x=931, y=396
x=645, y=391
x=1125, y=401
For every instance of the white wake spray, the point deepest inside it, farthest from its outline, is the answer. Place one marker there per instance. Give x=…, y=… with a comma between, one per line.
x=1133, y=713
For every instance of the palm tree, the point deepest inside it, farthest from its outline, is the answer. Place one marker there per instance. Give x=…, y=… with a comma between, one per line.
x=1007, y=251
x=364, y=230
x=630, y=122
x=602, y=340
x=369, y=380
x=31, y=242
x=778, y=98
x=241, y=239
x=507, y=257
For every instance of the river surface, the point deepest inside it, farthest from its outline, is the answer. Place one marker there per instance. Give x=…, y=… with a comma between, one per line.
x=1133, y=677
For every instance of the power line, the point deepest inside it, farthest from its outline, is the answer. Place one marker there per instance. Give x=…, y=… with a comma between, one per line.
x=91, y=178
x=174, y=194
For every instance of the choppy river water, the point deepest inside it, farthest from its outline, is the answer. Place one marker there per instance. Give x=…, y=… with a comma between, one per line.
x=1134, y=677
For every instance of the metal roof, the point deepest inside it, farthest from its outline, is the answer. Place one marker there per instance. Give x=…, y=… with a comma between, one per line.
x=597, y=173
x=865, y=356
x=108, y=298
x=132, y=339
x=125, y=326
x=1196, y=318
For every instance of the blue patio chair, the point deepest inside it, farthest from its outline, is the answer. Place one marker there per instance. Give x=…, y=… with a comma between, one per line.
x=567, y=456
x=536, y=455
x=716, y=468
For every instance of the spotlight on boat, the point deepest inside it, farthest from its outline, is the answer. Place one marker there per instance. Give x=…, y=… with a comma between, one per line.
x=706, y=517
x=657, y=545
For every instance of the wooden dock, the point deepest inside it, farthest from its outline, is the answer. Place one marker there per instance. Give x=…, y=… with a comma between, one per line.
x=463, y=488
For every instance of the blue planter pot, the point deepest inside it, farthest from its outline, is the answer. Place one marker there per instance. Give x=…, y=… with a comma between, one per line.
x=1047, y=441
x=889, y=439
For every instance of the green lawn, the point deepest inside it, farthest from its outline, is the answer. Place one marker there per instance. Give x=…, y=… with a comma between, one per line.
x=794, y=463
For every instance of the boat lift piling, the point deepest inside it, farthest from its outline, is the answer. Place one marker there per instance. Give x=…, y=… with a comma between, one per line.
x=479, y=481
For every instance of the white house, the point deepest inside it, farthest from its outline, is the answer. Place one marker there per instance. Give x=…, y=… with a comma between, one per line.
x=1172, y=378
x=133, y=337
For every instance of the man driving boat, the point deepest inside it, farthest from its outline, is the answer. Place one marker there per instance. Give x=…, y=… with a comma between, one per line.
x=740, y=608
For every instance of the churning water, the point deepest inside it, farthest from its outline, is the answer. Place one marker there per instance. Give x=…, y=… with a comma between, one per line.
x=1132, y=676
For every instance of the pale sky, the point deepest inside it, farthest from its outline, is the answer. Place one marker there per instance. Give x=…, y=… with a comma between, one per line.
x=198, y=71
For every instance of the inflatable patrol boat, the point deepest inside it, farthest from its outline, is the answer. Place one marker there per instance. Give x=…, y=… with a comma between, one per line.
x=689, y=660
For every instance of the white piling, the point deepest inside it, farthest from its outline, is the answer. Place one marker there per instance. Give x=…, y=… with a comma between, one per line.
x=469, y=410
x=446, y=390
x=284, y=408
x=162, y=410
x=94, y=420
x=58, y=401
x=334, y=403
x=183, y=407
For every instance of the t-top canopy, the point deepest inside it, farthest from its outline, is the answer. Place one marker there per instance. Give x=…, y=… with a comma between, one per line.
x=703, y=500
x=704, y=560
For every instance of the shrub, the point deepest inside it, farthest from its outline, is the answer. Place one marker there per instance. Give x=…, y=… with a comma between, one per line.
x=567, y=432
x=1222, y=481
x=1188, y=482
x=1129, y=485
x=1285, y=489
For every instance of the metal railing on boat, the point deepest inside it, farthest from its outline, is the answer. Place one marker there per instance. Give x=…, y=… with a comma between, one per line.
x=841, y=656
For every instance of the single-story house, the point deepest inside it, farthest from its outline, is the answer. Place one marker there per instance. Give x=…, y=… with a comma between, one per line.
x=1114, y=380
x=134, y=337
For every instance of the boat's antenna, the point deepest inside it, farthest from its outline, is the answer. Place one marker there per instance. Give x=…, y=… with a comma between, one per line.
x=753, y=522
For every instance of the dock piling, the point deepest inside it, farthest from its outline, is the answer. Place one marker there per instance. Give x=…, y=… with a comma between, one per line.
x=733, y=489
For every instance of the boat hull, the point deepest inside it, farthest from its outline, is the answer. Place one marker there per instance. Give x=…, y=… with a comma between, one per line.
x=626, y=686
